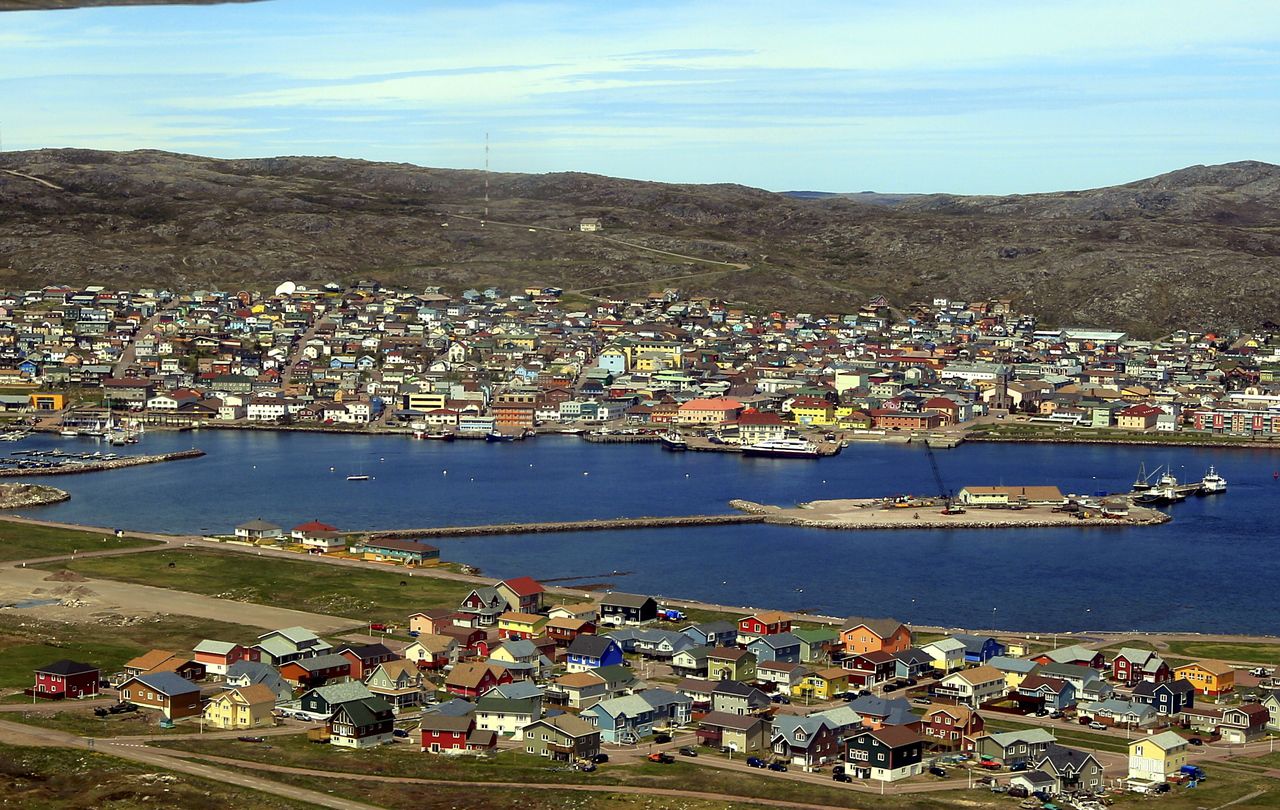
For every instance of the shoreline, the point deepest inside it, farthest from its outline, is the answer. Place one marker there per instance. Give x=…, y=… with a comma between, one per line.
x=1213, y=443
x=21, y=496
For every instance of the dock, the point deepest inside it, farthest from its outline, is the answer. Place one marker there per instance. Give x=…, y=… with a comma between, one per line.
x=605, y=524
x=74, y=468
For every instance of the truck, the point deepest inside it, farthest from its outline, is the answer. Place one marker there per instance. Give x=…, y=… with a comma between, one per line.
x=670, y=615
x=1194, y=772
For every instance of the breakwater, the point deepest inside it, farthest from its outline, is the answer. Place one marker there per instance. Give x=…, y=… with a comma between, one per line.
x=863, y=516
x=562, y=526
x=97, y=466
x=16, y=496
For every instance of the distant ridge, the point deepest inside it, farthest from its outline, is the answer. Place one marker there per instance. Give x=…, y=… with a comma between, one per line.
x=1194, y=247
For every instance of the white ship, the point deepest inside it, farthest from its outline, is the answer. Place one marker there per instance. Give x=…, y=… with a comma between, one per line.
x=789, y=447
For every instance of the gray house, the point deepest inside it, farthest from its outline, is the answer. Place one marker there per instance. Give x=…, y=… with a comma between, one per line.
x=562, y=737
x=1011, y=747
x=1071, y=769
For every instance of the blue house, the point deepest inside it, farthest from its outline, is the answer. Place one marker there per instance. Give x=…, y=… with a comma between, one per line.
x=713, y=634
x=1168, y=698
x=592, y=652
x=912, y=663
x=979, y=649
x=783, y=647
x=628, y=718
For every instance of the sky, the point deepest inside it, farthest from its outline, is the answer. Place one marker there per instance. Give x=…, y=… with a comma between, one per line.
x=965, y=96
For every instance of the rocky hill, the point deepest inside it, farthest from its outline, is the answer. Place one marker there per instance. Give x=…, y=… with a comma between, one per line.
x=1198, y=246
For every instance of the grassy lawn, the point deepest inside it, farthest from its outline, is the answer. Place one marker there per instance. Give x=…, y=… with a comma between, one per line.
x=365, y=595
x=1228, y=651
x=19, y=541
x=53, y=778
x=27, y=643
x=83, y=723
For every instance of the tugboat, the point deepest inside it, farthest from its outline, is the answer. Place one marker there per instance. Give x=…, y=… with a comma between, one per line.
x=1212, y=483
x=672, y=440
x=789, y=447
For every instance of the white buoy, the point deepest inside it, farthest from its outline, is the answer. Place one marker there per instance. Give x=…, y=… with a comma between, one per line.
x=444, y=472
x=586, y=473
x=331, y=469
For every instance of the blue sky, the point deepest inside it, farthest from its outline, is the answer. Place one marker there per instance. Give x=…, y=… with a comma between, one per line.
x=966, y=96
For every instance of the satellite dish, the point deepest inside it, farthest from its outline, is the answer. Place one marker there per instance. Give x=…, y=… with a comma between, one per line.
x=286, y=288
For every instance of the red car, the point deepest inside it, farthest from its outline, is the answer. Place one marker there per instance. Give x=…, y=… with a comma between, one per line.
x=377, y=626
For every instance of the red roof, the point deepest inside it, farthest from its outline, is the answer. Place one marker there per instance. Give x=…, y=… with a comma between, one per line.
x=523, y=586
x=759, y=418
x=315, y=526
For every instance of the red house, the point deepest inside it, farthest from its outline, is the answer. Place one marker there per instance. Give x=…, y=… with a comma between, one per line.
x=870, y=668
x=317, y=671
x=474, y=641
x=765, y=623
x=1131, y=666
x=523, y=594
x=472, y=679
x=217, y=656
x=365, y=658
x=443, y=734
x=65, y=679
x=951, y=727
x=563, y=631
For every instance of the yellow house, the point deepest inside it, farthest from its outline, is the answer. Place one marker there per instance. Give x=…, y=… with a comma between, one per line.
x=1156, y=758
x=824, y=684
x=47, y=401
x=520, y=625
x=242, y=707
x=813, y=411
x=1208, y=677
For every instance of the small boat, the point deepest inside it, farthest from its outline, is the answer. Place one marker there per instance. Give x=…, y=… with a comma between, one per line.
x=671, y=440
x=357, y=478
x=441, y=436
x=789, y=447
x=496, y=436
x=1212, y=483
x=68, y=431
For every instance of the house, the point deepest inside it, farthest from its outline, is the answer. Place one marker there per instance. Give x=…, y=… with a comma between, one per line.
x=804, y=740
x=862, y=635
x=627, y=608
x=691, y=662
x=1002, y=496
x=765, y=623
x=447, y=733
x=241, y=708
x=563, y=630
x=472, y=679
x=1014, y=747
x=592, y=652
x=1208, y=677
x=885, y=754
x=521, y=657
x=391, y=549
x=400, y=683
x=745, y=733
x=321, y=702
x=1156, y=758
x=713, y=634
x=1014, y=669
x=979, y=649
x=218, y=656
x=173, y=695
x=364, y=658
x=431, y=621
x=775, y=647
x=1039, y=692
x=947, y=654
x=731, y=663
x=577, y=690
x=628, y=718
x=973, y=687
x=484, y=605
x=784, y=675
x=736, y=697
x=587, y=611
x=868, y=669
x=874, y=712
x=1130, y=666
x=816, y=644
x=1272, y=704
x=248, y=673
x=1075, y=655
x=1072, y=770
x=520, y=625
x=282, y=646
x=651, y=642
x=362, y=723
x=1033, y=782
x=1083, y=678
x=1169, y=697
x=823, y=684
x=65, y=679
x=319, y=538
x=161, y=661
x=306, y=673
x=562, y=738
x=1117, y=712
x=507, y=717
x=472, y=641
x=950, y=727
x=1244, y=723
x=522, y=594
x=259, y=530
x=429, y=651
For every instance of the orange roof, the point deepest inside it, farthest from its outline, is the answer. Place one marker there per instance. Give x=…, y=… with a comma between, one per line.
x=717, y=404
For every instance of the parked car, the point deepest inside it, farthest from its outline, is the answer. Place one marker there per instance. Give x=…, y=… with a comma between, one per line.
x=1097, y=726
x=661, y=756
x=1017, y=792
x=941, y=773
x=923, y=701
x=780, y=698
x=662, y=738
x=755, y=762
x=1018, y=766
x=249, y=739
x=1195, y=741
x=837, y=768
x=841, y=777
x=399, y=732
x=1055, y=715
x=688, y=752
x=777, y=766
x=600, y=758
x=377, y=626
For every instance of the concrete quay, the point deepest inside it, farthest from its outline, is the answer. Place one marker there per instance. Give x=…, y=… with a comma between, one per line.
x=610, y=524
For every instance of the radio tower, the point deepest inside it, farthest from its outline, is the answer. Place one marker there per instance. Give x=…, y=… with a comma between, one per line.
x=486, y=175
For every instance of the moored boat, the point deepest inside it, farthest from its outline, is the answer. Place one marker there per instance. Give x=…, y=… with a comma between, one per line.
x=790, y=447
x=497, y=436
x=671, y=440
x=1212, y=483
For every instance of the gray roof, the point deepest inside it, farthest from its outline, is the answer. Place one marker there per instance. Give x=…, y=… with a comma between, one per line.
x=1063, y=759
x=340, y=692
x=213, y=647
x=896, y=711
x=322, y=662
x=516, y=690
x=786, y=726
x=168, y=683
x=590, y=646
x=1006, y=664
x=258, y=525
x=1027, y=736
x=451, y=708
x=777, y=641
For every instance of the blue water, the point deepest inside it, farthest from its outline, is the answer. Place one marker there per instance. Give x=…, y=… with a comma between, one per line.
x=1212, y=569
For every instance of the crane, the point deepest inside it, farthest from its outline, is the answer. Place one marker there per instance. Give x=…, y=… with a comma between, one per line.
x=949, y=507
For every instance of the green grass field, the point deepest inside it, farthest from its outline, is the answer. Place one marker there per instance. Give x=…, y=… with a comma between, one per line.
x=1228, y=651
x=362, y=594
x=18, y=541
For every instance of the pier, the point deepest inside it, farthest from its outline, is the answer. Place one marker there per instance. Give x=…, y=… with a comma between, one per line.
x=73, y=468
x=866, y=513
x=604, y=524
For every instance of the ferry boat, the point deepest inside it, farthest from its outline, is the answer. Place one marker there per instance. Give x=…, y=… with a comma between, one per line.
x=1212, y=483
x=789, y=447
x=671, y=440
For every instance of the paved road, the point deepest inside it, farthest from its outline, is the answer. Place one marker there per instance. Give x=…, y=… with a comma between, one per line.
x=130, y=352
x=296, y=356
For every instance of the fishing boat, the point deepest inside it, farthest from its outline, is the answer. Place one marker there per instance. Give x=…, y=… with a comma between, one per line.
x=789, y=447
x=497, y=436
x=439, y=436
x=1212, y=483
x=1143, y=482
x=672, y=440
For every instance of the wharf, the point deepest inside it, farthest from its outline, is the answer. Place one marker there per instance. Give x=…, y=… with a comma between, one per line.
x=605, y=524
x=621, y=438
x=872, y=514
x=96, y=466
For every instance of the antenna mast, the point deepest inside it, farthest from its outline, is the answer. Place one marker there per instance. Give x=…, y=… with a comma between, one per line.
x=486, y=175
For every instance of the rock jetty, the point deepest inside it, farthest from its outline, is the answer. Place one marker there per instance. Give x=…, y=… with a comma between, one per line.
x=16, y=496
x=96, y=466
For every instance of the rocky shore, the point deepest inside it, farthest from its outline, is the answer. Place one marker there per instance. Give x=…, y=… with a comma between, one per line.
x=96, y=466
x=17, y=496
x=827, y=516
